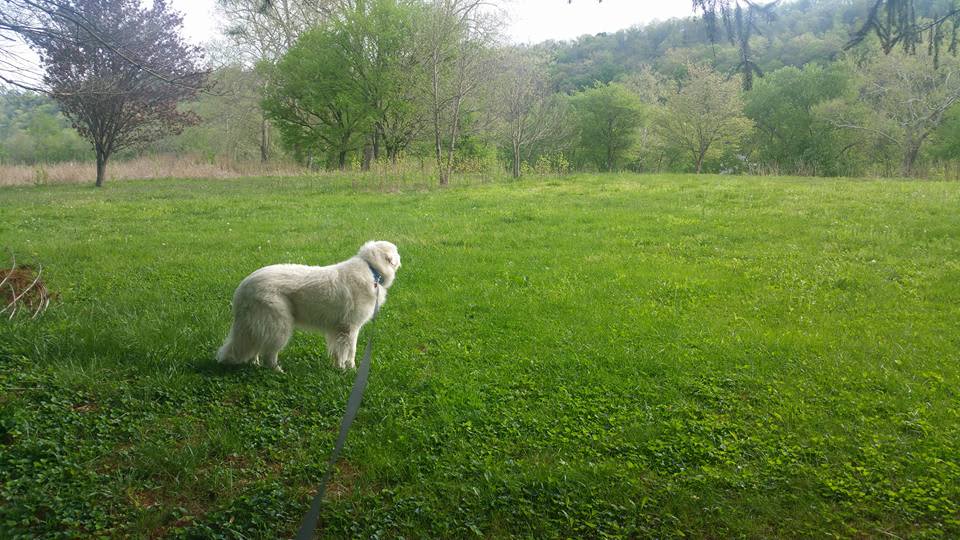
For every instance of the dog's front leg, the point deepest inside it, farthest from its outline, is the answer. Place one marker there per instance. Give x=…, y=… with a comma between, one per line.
x=273, y=362
x=354, y=334
x=346, y=347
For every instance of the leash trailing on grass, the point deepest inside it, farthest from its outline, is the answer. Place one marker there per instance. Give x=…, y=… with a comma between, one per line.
x=309, y=524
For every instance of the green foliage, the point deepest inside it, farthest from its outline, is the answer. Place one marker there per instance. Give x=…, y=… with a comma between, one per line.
x=551, y=164
x=231, y=120
x=803, y=31
x=32, y=131
x=704, y=119
x=791, y=137
x=475, y=156
x=315, y=99
x=901, y=100
x=705, y=357
x=347, y=83
x=608, y=119
x=945, y=141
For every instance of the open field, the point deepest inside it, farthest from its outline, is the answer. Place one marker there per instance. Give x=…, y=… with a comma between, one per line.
x=592, y=356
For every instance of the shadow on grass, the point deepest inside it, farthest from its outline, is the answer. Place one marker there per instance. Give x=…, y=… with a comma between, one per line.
x=209, y=367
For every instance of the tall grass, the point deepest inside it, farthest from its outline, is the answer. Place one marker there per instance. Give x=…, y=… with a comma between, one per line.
x=142, y=168
x=383, y=175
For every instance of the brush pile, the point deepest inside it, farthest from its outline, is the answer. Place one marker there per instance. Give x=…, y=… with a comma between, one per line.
x=22, y=291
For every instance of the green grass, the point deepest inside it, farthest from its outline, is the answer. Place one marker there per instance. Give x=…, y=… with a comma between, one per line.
x=585, y=357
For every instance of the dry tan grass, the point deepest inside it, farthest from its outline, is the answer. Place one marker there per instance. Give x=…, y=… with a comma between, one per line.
x=163, y=166
x=406, y=174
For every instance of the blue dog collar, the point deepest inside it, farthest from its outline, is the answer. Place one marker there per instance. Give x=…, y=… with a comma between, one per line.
x=377, y=276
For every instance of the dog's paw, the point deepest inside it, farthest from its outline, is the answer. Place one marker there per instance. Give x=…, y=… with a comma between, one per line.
x=278, y=369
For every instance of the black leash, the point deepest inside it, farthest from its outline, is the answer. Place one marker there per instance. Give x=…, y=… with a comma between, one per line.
x=309, y=523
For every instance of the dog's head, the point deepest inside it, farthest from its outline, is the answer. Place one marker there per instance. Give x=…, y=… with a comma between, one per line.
x=383, y=256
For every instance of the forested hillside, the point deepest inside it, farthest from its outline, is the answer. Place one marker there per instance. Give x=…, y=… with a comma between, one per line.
x=401, y=81
x=801, y=32
x=32, y=130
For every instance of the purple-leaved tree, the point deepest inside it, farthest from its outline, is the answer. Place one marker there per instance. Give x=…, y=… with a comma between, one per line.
x=118, y=70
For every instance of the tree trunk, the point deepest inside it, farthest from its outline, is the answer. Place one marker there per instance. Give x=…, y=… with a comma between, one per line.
x=909, y=159
x=343, y=150
x=367, y=157
x=264, y=140
x=517, y=142
x=101, y=167
x=516, y=160
x=437, y=139
x=452, y=150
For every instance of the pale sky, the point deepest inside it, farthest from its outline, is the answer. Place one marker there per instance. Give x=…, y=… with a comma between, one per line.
x=531, y=21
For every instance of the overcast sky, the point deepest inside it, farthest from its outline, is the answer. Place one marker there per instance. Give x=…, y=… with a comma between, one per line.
x=531, y=21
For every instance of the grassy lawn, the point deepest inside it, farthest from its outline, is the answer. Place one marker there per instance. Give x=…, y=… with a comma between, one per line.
x=582, y=357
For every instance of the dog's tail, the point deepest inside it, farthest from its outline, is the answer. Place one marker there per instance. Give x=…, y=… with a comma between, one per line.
x=223, y=353
x=226, y=354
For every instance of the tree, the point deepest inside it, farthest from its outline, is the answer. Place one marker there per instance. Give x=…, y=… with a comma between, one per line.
x=529, y=110
x=350, y=84
x=265, y=29
x=261, y=31
x=945, y=141
x=704, y=116
x=316, y=100
x=457, y=37
x=121, y=75
x=900, y=22
x=906, y=23
x=230, y=115
x=608, y=118
x=903, y=100
x=382, y=55
x=791, y=135
x=739, y=19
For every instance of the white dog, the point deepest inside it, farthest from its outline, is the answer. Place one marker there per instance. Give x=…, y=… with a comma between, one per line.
x=337, y=300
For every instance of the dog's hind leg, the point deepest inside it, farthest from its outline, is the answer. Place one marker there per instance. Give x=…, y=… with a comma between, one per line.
x=330, y=337
x=273, y=362
x=275, y=332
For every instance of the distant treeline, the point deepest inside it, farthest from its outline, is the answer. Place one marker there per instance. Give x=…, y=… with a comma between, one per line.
x=432, y=82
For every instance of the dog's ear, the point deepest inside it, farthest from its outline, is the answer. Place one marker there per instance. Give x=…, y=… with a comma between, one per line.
x=390, y=254
x=393, y=258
